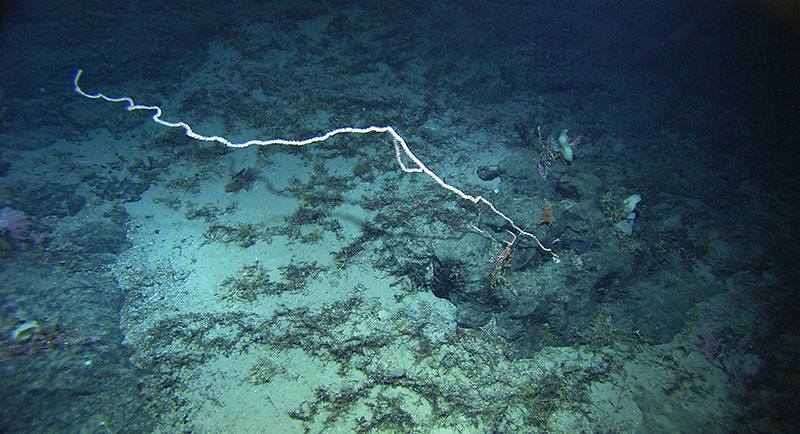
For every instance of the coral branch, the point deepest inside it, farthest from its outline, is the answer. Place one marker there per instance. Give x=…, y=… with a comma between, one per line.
x=400, y=146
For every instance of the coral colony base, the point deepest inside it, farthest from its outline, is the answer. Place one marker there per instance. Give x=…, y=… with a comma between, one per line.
x=400, y=147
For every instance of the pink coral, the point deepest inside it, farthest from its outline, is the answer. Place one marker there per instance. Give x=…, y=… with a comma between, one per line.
x=15, y=223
